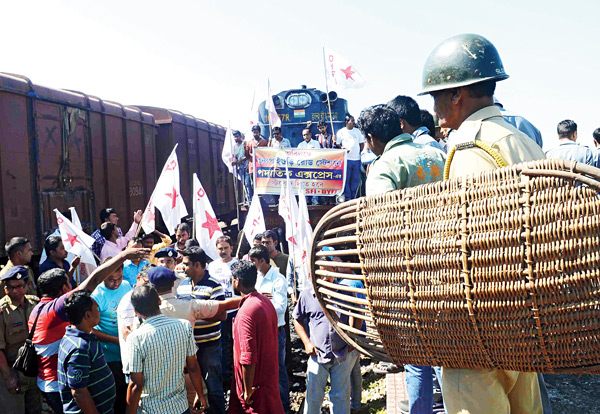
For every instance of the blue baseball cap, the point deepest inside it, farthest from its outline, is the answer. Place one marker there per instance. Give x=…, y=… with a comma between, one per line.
x=16, y=273
x=166, y=252
x=161, y=275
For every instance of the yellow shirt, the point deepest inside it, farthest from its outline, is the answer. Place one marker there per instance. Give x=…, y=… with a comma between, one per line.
x=165, y=242
x=488, y=126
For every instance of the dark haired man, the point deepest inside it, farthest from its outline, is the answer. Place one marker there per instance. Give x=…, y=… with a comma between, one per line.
x=324, y=138
x=131, y=268
x=55, y=288
x=160, y=350
x=148, y=243
x=183, y=233
x=353, y=142
x=85, y=380
x=220, y=269
x=57, y=256
x=569, y=149
x=596, y=137
x=271, y=283
x=255, y=385
x=239, y=155
x=410, y=120
x=19, y=252
x=107, y=215
x=207, y=332
x=258, y=141
x=278, y=141
x=107, y=296
x=400, y=163
x=19, y=394
x=465, y=104
x=113, y=243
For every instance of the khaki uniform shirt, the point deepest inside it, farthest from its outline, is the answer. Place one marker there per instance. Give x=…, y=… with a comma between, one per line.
x=188, y=309
x=13, y=325
x=31, y=290
x=489, y=126
x=404, y=164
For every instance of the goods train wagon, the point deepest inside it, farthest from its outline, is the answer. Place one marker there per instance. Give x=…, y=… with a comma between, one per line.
x=296, y=107
x=199, y=150
x=64, y=148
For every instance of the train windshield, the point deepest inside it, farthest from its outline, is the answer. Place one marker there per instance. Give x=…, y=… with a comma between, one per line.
x=298, y=100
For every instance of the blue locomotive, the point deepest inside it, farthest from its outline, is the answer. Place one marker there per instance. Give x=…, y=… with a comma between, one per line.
x=296, y=107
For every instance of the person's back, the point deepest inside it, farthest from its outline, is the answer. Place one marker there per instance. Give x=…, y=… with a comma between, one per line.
x=405, y=164
x=256, y=323
x=574, y=152
x=157, y=348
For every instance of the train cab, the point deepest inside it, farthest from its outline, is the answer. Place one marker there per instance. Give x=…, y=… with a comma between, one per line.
x=296, y=107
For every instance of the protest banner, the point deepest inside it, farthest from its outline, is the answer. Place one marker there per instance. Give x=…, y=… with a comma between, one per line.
x=322, y=172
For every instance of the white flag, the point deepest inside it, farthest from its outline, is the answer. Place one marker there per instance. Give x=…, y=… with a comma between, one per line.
x=255, y=220
x=149, y=218
x=75, y=240
x=166, y=196
x=205, y=221
x=253, y=116
x=340, y=73
x=270, y=107
x=75, y=218
x=288, y=209
x=227, y=154
x=304, y=237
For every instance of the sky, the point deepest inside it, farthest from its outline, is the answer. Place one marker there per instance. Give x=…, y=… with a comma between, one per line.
x=206, y=58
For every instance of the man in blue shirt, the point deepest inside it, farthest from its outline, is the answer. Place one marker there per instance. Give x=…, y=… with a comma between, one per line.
x=57, y=256
x=207, y=332
x=568, y=148
x=132, y=268
x=85, y=382
x=107, y=296
x=521, y=124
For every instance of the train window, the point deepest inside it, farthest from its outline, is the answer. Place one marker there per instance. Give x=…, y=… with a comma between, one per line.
x=298, y=100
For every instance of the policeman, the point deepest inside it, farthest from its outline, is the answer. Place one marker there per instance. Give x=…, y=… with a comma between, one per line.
x=167, y=257
x=461, y=75
x=18, y=393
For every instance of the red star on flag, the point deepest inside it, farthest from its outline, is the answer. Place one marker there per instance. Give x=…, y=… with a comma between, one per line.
x=171, y=166
x=292, y=240
x=72, y=239
x=211, y=224
x=348, y=72
x=150, y=216
x=173, y=196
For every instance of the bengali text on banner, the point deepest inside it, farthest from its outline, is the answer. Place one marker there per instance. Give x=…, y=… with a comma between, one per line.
x=322, y=171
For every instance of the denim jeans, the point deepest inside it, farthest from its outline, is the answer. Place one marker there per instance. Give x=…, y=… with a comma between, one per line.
x=356, y=385
x=352, y=179
x=284, y=382
x=249, y=185
x=419, y=387
x=227, y=349
x=209, y=359
x=316, y=381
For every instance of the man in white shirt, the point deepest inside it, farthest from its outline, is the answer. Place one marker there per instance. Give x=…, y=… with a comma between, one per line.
x=272, y=284
x=353, y=142
x=308, y=142
x=220, y=269
x=278, y=141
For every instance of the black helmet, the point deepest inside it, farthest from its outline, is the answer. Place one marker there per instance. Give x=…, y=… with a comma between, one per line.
x=461, y=60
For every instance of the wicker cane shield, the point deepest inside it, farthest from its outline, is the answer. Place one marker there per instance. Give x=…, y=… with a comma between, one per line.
x=493, y=270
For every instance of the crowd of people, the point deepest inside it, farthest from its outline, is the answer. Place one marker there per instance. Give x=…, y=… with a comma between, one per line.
x=158, y=327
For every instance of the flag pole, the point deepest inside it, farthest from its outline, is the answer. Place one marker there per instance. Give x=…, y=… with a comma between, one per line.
x=328, y=102
x=291, y=194
x=269, y=115
x=235, y=187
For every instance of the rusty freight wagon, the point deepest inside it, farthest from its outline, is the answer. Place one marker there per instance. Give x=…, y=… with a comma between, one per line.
x=62, y=148
x=199, y=151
